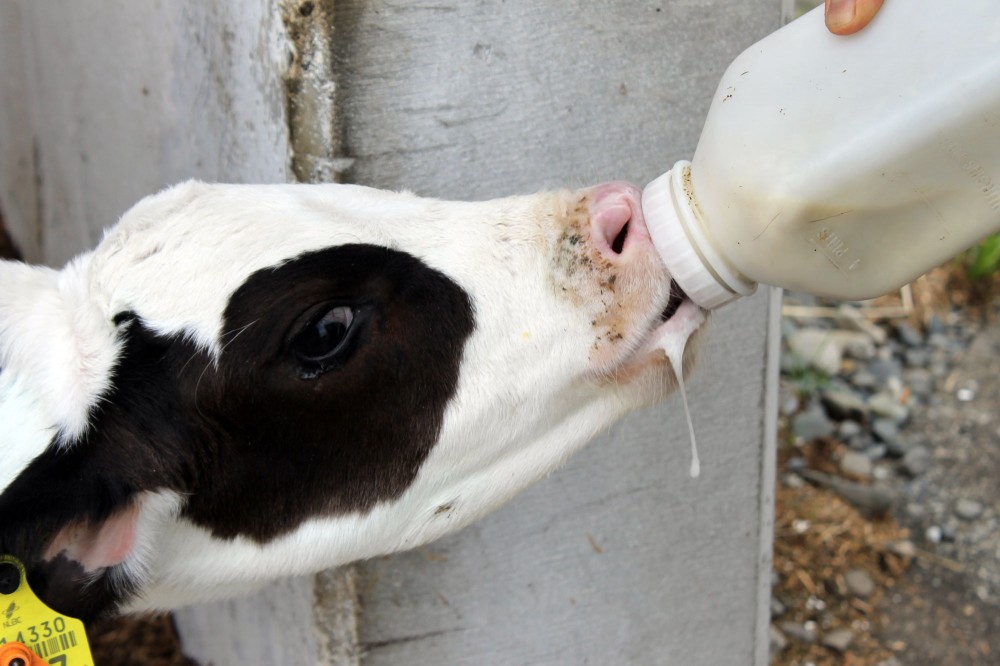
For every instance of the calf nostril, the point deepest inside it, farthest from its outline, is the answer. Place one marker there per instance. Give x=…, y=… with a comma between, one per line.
x=610, y=219
x=616, y=222
x=619, y=243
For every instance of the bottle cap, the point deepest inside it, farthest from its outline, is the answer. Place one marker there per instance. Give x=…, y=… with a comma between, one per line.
x=672, y=216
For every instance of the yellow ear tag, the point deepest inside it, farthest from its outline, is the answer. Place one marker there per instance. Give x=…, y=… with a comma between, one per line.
x=60, y=640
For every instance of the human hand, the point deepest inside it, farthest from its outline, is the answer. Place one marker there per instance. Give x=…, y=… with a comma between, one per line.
x=845, y=17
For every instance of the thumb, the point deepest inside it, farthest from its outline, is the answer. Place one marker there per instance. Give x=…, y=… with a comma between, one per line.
x=845, y=17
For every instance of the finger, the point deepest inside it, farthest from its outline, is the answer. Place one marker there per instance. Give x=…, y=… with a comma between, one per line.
x=845, y=17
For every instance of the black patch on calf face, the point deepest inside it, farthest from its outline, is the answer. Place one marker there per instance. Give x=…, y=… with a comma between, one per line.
x=259, y=440
x=302, y=444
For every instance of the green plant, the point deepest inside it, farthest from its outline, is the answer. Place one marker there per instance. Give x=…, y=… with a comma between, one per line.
x=807, y=380
x=983, y=260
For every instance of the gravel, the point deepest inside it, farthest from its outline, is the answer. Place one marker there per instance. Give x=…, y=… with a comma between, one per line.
x=968, y=510
x=915, y=462
x=907, y=426
x=859, y=583
x=841, y=404
x=856, y=465
x=838, y=639
x=805, y=633
x=812, y=423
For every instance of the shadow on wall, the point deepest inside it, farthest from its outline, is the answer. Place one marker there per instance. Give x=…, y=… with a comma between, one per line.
x=7, y=249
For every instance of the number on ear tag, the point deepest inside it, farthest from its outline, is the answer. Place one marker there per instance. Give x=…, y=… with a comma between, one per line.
x=59, y=640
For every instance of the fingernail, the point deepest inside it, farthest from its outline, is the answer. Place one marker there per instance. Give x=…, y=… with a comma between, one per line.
x=840, y=13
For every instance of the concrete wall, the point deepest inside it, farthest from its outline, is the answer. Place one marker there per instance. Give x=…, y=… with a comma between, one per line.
x=106, y=101
x=618, y=558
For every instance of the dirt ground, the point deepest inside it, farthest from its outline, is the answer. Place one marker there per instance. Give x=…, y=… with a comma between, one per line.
x=946, y=610
x=150, y=641
x=936, y=601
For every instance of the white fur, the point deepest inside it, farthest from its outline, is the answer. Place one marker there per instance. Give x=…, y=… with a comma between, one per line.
x=56, y=355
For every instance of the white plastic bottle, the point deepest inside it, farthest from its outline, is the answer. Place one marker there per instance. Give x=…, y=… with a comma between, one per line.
x=841, y=166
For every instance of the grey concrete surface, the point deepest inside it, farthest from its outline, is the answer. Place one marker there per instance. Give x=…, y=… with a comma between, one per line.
x=112, y=100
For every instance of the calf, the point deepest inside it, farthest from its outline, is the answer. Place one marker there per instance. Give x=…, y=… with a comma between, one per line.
x=243, y=382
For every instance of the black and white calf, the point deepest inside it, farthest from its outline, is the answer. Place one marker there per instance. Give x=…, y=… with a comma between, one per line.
x=242, y=383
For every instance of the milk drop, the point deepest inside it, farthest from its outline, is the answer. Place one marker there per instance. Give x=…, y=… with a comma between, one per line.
x=673, y=346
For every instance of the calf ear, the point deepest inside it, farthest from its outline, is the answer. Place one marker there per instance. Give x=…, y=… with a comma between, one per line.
x=56, y=341
x=97, y=545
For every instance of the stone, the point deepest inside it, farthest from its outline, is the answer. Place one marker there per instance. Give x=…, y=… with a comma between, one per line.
x=788, y=400
x=885, y=430
x=967, y=509
x=933, y=534
x=920, y=382
x=885, y=404
x=856, y=465
x=778, y=640
x=883, y=369
x=859, y=583
x=777, y=608
x=908, y=335
x=812, y=423
x=863, y=379
x=796, y=464
x=856, y=344
x=938, y=341
x=843, y=404
x=872, y=500
x=824, y=349
x=790, y=363
x=949, y=532
x=793, y=481
x=904, y=548
x=851, y=318
x=898, y=447
x=968, y=392
x=881, y=472
x=939, y=369
x=861, y=442
x=817, y=348
x=915, y=462
x=838, y=639
x=917, y=358
x=804, y=633
x=848, y=429
x=815, y=604
x=876, y=452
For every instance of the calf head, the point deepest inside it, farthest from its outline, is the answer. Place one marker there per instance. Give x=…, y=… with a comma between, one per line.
x=247, y=382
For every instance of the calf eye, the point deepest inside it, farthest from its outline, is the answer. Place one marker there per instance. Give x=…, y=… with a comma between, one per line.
x=324, y=336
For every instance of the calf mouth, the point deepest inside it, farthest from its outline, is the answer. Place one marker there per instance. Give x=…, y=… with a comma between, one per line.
x=677, y=298
x=680, y=319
